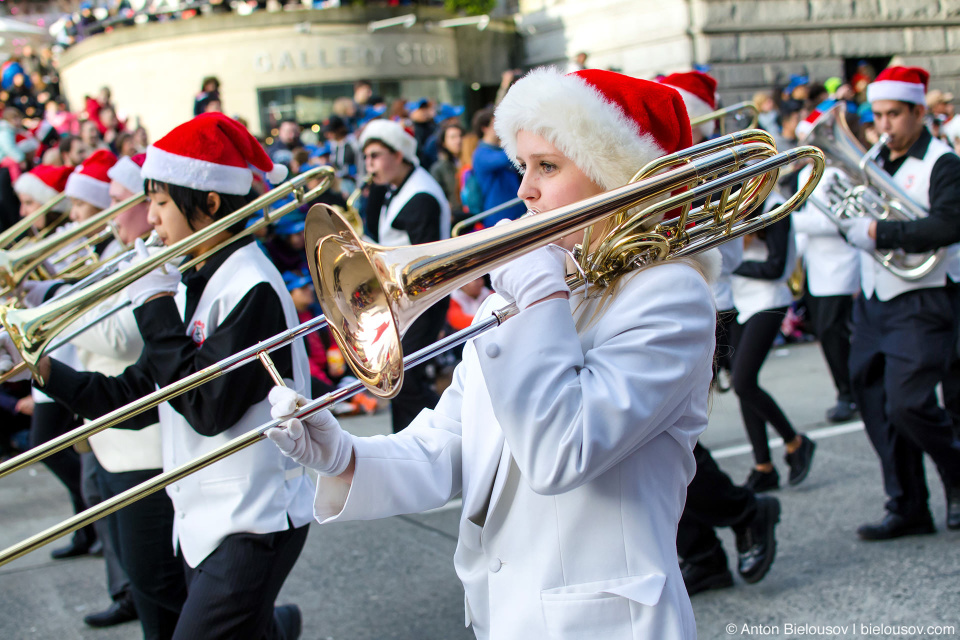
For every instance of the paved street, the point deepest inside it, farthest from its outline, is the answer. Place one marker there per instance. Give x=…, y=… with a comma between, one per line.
x=395, y=578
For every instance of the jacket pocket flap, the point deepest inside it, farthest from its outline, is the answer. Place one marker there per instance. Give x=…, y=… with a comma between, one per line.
x=644, y=589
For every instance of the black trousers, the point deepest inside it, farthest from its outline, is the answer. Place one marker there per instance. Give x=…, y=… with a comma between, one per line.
x=417, y=392
x=951, y=380
x=231, y=594
x=51, y=419
x=899, y=351
x=830, y=316
x=752, y=342
x=712, y=501
x=143, y=536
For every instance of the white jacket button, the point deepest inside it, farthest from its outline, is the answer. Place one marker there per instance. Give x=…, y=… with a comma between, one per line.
x=495, y=565
x=493, y=350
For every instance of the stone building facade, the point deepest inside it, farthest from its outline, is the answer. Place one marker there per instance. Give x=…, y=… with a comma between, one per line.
x=750, y=45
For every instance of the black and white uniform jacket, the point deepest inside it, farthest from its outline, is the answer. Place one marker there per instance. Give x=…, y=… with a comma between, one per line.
x=235, y=300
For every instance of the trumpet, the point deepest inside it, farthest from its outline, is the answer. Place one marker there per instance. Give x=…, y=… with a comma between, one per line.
x=860, y=188
x=739, y=112
x=350, y=213
x=432, y=270
x=371, y=294
x=32, y=330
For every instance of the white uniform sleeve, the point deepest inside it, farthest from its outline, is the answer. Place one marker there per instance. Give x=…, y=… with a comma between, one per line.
x=116, y=337
x=568, y=416
x=408, y=472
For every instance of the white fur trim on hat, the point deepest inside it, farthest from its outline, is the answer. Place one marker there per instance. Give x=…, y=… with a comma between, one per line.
x=201, y=175
x=31, y=185
x=576, y=118
x=127, y=173
x=896, y=90
x=88, y=189
x=696, y=107
x=394, y=136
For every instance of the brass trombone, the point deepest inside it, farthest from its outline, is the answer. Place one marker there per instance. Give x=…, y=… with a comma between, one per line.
x=17, y=264
x=32, y=330
x=439, y=267
x=739, y=112
x=371, y=294
x=9, y=238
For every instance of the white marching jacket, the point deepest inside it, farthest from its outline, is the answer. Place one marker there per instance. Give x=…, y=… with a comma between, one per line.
x=572, y=450
x=258, y=488
x=753, y=295
x=913, y=177
x=109, y=347
x=832, y=265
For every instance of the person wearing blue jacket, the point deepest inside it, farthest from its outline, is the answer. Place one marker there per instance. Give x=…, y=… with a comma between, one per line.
x=496, y=175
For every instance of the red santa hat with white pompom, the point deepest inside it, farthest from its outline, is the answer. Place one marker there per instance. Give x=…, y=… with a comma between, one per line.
x=905, y=84
x=699, y=93
x=43, y=183
x=211, y=152
x=90, y=182
x=127, y=172
x=609, y=124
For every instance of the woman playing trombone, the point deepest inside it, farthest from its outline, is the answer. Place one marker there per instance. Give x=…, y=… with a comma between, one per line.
x=240, y=525
x=569, y=430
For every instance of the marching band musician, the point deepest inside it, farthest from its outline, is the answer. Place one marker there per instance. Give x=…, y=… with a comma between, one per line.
x=761, y=296
x=239, y=525
x=903, y=331
x=406, y=206
x=833, y=277
x=713, y=500
x=569, y=429
x=49, y=419
x=141, y=533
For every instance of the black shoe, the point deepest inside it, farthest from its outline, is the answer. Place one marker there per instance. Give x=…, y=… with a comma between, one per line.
x=122, y=610
x=894, y=525
x=706, y=573
x=290, y=620
x=844, y=412
x=760, y=481
x=953, y=507
x=800, y=460
x=72, y=550
x=756, y=542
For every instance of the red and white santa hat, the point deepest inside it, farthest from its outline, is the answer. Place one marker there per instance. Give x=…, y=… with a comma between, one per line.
x=127, y=172
x=90, y=181
x=699, y=93
x=608, y=124
x=394, y=135
x=211, y=152
x=43, y=183
x=906, y=84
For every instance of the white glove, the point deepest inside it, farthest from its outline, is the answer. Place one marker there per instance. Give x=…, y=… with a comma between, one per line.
x=10, y=357
x=317, y=442
x=531, y=277
x=34, y=291
x=163, y=279
x=856, y=231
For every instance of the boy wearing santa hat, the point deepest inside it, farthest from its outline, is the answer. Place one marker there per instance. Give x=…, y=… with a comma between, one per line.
x=904, y=330
x=406, y=206
x=239, y=525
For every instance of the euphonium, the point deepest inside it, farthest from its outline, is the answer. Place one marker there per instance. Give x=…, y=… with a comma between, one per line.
x=860, y=188
x=371, y=294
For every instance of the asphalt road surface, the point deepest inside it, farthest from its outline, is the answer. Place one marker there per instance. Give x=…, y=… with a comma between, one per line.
x=394, y=578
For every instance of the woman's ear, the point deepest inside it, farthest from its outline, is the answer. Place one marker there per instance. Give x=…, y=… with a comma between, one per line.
x=213, y=204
